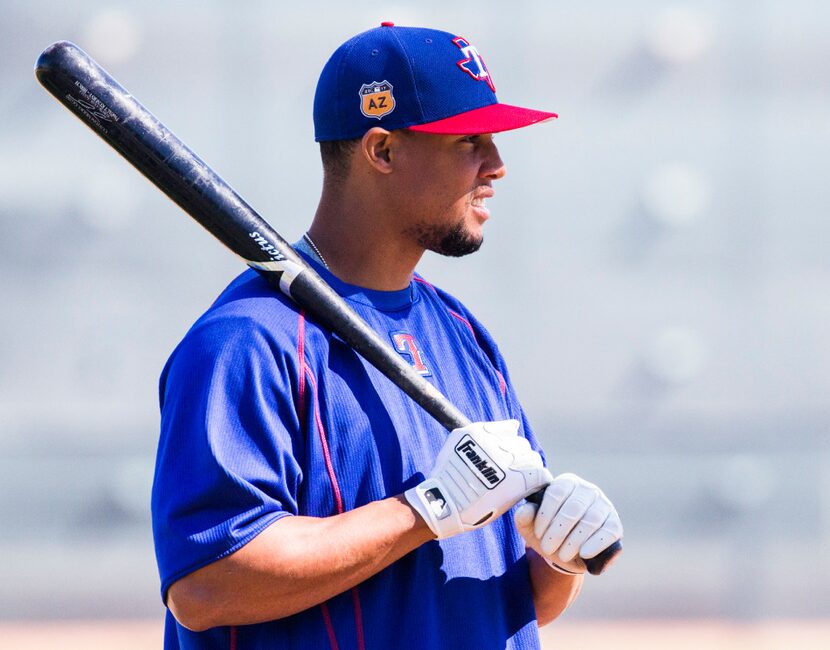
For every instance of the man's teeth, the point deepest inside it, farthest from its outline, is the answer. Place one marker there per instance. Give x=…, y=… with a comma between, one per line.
x=479, y=203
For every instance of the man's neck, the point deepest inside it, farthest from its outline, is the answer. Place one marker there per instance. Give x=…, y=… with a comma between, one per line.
x=361, y=245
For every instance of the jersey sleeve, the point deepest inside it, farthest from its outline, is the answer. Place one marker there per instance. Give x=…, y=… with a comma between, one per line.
x=227, y=464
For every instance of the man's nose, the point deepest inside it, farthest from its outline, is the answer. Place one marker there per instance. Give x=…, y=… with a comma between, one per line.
x=493, y=167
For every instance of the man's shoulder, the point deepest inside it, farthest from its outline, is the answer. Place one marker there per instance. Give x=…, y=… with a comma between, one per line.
x=248, y=309
x=251, y=294
x=463, y=315
x=444, y=297
x=446, y=300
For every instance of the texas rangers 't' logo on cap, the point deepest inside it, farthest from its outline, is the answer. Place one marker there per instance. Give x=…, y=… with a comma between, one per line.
x=376, y=99
x=473, y=65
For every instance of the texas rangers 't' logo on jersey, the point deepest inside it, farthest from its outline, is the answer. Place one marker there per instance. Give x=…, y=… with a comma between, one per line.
x=473, y=65
x=405, y=344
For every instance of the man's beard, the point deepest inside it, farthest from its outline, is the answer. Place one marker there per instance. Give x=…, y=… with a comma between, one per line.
x=450, y=240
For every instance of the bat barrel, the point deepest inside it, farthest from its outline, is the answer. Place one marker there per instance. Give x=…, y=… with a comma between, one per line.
x=89, y=92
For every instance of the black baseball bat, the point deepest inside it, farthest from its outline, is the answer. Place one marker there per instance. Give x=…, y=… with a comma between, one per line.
x=89, y=92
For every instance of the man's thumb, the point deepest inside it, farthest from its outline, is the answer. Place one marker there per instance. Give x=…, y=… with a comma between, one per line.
x=524, y=516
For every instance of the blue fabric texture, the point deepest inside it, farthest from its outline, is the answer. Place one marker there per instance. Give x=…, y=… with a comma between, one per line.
x=238, y=451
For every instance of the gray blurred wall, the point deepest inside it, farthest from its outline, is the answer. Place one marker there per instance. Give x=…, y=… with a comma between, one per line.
x=657, y=271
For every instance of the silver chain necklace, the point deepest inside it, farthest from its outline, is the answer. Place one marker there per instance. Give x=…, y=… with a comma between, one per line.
x=316, y=250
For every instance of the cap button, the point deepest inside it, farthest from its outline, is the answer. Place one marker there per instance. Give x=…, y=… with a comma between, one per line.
x=387, y=23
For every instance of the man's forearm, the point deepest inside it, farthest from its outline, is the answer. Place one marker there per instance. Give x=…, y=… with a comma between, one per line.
x=553, y=592
x=296, y=563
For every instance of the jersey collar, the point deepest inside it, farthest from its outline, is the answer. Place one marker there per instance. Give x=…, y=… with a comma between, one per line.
x=381, y=300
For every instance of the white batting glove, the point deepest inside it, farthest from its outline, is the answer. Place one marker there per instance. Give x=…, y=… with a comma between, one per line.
x=574, y=522
x=482, y=470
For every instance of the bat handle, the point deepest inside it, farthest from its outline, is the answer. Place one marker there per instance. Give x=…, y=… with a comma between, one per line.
x=598, y=563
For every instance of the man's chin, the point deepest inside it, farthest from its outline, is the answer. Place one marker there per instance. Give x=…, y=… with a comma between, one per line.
x=450, y=241
x=459, y=244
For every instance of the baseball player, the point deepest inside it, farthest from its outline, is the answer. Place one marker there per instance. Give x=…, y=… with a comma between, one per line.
x=301, y=500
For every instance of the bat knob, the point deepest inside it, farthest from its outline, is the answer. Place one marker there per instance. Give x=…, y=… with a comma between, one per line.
x=600, y=562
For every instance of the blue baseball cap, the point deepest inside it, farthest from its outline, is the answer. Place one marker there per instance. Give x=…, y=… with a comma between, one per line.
x=411, y=77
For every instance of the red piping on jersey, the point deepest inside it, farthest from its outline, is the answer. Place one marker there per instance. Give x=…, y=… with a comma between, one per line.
x=335, y=486
x=233, y=638
x=329, y=627
x=457, y=316
x=502, y=383
x=302, y=410
x=324, y=443
x=466, y=322
x=301, y=360
x=358, y=619
x=422, y=281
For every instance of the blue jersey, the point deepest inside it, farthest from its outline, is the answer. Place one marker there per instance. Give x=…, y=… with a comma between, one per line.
x=266, y=415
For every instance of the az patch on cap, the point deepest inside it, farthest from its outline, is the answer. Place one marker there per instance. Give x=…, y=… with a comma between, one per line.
x=376, y=99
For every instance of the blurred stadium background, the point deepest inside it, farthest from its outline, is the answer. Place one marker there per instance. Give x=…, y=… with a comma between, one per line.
x=657, y=271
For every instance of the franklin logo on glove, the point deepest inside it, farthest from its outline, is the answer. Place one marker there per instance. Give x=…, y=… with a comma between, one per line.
x=482, y=470
x=471, y=454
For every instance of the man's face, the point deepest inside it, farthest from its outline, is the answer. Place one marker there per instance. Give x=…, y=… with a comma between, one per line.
x=443, y=184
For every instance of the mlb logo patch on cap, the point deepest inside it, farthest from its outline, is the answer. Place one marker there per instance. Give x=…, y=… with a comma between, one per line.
x=376, y=99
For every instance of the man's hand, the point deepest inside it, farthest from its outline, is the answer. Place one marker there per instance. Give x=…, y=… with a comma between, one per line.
x=575, y=521
x=482, y=470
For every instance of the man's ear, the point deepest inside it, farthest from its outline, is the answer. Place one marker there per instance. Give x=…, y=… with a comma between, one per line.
x=375, y=145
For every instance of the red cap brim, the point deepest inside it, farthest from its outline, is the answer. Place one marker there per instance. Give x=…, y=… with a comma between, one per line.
x=488, y=119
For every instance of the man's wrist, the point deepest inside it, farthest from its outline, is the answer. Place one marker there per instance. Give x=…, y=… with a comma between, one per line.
x=430, y=500
x=553, y=592
x=415, y=522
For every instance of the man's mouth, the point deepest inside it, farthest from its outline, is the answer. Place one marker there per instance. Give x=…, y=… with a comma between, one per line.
x=481, y=194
